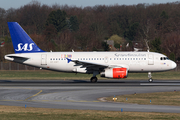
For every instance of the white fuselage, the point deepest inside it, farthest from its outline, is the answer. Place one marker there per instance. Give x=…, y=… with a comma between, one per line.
x=133, y=61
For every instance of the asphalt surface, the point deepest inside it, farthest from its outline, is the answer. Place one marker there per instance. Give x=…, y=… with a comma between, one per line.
x=83, y=95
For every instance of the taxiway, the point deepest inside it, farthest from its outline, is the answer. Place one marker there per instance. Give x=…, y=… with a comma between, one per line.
x=81, y=94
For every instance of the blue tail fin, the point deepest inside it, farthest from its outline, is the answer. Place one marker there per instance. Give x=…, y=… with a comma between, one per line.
x=22, y=43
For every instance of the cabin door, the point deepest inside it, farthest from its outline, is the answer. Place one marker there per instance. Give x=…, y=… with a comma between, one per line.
x=43, y=59
x=151, y=59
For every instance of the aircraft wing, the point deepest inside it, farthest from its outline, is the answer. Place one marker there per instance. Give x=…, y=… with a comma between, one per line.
x=93, y=65
x=89, y=64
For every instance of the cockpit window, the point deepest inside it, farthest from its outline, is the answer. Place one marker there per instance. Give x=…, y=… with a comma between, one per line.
x=164, y=58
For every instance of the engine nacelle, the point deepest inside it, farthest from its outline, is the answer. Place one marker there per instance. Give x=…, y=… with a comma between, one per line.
x=115, y=73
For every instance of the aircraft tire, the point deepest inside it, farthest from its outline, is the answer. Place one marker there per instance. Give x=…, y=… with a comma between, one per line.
x=150, y=80
x=94, y=79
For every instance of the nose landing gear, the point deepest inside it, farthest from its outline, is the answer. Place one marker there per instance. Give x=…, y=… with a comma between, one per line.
x=150, y=77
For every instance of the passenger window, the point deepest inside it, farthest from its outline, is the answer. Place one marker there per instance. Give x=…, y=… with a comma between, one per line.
x=144, y=58
x=94, y=58
x=114, y=58
x=119, y=58
x=97, y=58
x=133, y=58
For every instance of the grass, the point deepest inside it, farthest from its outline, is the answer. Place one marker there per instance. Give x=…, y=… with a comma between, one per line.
x=21, y=113
x=43, y=74
x=159, y=98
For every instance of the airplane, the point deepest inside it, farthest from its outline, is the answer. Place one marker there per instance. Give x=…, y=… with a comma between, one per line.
x=108, y=64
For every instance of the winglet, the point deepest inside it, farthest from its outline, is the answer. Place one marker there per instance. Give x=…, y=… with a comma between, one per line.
x=22, y=43
x=68, y=60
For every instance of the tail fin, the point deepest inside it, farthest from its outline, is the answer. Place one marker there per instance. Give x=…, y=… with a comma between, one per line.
x=22, y=43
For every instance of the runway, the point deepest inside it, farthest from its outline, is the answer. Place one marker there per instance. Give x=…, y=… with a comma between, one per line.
x=81, y=94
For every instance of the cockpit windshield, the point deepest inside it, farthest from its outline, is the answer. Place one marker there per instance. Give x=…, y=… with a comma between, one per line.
x=164, y=58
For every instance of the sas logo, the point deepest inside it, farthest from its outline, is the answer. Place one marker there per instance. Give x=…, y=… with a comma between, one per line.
x=25, y=47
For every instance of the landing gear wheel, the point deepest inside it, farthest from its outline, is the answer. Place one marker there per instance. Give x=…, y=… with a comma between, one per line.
x=150, y=80
x=94, y=79
x=150, y=77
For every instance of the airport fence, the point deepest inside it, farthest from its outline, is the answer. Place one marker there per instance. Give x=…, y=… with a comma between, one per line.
x=17, y=66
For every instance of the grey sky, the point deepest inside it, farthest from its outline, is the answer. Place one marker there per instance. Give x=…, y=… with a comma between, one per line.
x=6, y=4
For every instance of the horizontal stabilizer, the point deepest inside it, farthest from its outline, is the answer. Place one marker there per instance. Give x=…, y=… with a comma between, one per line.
x=16, y=58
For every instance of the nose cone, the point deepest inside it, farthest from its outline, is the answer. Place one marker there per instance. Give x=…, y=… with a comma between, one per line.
x=174, y=65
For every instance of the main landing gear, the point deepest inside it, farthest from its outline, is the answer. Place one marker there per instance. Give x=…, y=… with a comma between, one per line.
x=150, y=77
x=94, y=79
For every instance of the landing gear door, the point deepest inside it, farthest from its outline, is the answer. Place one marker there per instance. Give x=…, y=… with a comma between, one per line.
x=43, y=59
x=150, y=59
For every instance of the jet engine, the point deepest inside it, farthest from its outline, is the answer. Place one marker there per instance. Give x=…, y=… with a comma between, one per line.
x=115, y=73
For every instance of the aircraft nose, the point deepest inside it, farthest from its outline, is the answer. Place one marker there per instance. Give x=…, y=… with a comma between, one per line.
x=174, y=65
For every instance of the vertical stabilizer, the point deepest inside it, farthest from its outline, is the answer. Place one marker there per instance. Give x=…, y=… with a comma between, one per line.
x=22, y=43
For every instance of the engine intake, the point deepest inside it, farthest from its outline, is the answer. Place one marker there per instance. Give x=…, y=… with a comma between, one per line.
x=115, y=73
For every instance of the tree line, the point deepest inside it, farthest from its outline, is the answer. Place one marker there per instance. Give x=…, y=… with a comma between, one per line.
x=63, y=27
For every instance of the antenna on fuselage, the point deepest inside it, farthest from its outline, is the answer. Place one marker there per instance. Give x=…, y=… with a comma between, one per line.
x=147, y=44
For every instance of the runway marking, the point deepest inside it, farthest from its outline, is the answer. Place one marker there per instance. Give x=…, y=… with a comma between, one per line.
x=160, y=84
x=33, y=95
